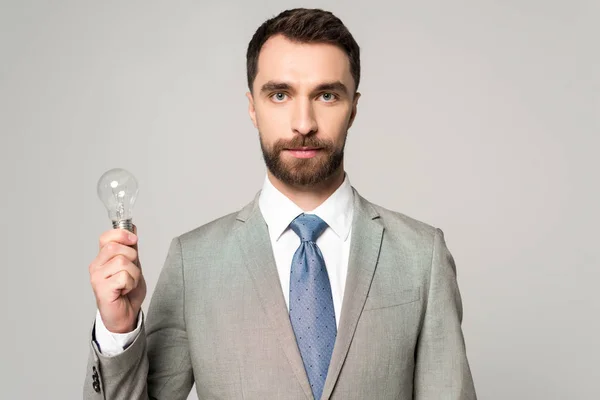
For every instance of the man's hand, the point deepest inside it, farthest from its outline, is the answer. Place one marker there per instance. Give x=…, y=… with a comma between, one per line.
x=117, y=280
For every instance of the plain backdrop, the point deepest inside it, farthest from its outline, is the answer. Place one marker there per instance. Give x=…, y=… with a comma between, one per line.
x=480, y=118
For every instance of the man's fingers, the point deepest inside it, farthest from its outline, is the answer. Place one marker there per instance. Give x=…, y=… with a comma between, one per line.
x=135, y=247
x=118, y=235
x=122, y=282
x=115, y=267
x=118, y=264
x=114, y=249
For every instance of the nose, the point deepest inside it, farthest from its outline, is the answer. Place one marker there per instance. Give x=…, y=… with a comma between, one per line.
x=303, y=118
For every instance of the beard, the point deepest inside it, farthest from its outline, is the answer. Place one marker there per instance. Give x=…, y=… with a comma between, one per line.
x=303, y=171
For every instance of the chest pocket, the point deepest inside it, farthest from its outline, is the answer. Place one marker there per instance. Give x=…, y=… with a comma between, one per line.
x=394, y=298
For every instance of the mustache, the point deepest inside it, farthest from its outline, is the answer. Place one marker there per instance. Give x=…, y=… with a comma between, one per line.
x=302, y=141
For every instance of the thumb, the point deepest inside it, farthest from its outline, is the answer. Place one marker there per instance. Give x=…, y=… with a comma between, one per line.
x=135, y=246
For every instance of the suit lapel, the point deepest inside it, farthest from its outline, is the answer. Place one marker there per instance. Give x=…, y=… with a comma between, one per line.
x=254, y=241
x=365, y=244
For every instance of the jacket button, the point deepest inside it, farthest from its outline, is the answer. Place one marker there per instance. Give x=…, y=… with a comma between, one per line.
x=96, y=386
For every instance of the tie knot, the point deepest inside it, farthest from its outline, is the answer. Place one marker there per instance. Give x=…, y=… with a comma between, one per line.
x=308, y=227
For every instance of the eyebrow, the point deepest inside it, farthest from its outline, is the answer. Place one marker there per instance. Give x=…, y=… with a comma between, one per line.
x=336, y=86
x=272, y=86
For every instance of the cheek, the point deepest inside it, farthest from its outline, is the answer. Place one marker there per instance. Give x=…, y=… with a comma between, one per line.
x=271, y=121
x=333, y=123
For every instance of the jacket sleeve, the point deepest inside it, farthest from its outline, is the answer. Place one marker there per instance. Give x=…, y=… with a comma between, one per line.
x=441, y=367
x=157, y=364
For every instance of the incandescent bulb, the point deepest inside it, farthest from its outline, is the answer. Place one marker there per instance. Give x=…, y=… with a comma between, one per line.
x=118, y=189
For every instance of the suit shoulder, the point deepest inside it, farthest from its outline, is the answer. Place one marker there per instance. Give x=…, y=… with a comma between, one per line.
x=216, y=229
x=404, y=225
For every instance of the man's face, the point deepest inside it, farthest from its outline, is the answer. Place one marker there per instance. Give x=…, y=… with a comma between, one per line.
x=303, y=102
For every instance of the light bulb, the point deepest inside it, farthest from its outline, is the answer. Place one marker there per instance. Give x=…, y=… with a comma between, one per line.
x=118, y=189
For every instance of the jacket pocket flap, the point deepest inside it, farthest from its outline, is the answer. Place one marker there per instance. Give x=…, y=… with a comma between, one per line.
x=395, y=298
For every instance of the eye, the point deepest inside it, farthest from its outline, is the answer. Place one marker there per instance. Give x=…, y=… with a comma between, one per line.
x=278, y=97
x=329, y=97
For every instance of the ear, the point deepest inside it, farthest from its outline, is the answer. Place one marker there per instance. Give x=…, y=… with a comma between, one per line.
x=354, y=109
x=251, y=109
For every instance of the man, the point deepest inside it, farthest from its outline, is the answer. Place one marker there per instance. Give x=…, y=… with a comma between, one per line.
x=310, y=291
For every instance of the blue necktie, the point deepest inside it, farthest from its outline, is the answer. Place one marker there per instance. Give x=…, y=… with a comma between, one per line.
x=311, y=305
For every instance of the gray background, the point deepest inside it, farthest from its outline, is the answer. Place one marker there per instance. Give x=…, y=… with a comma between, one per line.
x=481, y=118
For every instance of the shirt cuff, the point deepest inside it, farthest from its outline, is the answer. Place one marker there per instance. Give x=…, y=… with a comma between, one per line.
x=112, y=344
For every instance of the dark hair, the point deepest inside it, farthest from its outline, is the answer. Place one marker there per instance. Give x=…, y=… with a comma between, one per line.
x=304, y=26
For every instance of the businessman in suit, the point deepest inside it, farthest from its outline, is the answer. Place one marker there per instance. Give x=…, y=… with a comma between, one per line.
x=309, y=291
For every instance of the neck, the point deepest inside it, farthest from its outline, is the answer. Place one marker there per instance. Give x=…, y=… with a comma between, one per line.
x=309, y=197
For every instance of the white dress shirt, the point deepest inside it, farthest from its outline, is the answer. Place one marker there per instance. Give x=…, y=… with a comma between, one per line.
x=279, y=211
x=337, y=211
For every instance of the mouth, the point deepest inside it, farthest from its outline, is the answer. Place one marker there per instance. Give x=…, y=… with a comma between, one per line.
x=303, y=152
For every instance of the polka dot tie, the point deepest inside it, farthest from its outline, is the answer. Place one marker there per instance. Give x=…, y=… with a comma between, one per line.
x=311, y=305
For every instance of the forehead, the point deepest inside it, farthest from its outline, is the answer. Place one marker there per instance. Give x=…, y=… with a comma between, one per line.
x=302, y=64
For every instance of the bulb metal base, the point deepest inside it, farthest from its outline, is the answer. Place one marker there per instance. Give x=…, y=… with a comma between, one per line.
x=123, y=224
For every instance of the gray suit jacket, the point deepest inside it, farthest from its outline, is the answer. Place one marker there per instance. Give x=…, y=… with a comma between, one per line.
x=218, y=318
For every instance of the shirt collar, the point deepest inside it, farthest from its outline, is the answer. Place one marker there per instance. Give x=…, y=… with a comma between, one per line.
x=279, y=211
